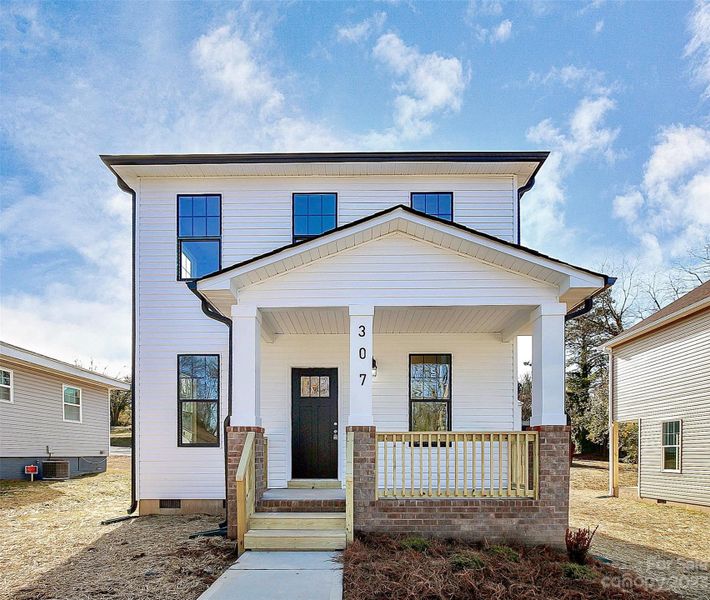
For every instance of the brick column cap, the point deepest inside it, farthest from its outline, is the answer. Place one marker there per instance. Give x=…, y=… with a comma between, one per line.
x=551, y=428
x=368, y=428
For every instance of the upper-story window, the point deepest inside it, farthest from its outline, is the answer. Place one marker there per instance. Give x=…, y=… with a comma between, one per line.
x=199, y=235
x=313, y=214
x=436, y=204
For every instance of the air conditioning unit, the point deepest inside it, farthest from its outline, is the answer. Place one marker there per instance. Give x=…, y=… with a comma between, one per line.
x=55, y=469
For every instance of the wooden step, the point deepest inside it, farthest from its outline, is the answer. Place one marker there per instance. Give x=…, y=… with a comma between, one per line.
x=315, y=484
x=297, y=520
x=294, y=539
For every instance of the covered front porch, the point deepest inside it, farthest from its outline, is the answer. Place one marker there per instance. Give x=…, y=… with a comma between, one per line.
x=381, y=357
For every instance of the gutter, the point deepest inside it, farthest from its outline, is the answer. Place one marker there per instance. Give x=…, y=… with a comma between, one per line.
x=589, y=302
x=126, y=188
x=209, y=311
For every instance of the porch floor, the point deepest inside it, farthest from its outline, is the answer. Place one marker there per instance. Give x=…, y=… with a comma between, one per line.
x=303, y=494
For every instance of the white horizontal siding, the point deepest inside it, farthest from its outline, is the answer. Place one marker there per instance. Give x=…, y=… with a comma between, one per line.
x=483, y=389
x=256, y=219
x=397, y=270
x=35, y=419
x=663, y=376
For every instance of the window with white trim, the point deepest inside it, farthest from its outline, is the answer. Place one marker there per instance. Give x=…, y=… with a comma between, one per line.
x=671, y=441
x=72, y=403
x=6, y=385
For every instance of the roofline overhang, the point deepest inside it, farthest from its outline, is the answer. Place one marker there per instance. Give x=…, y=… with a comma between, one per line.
x=643, y=330
x=321, y=157
x=46, y=363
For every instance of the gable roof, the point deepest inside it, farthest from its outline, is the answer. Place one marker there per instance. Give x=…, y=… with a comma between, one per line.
x=494, y=250
x=11, y=352
x=690, y=303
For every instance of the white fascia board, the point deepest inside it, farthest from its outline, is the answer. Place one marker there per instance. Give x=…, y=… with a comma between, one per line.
x=575, y=277
x=650, y=327
x=57, y=366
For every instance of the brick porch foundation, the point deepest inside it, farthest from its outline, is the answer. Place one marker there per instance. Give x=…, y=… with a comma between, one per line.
x=526, y=521
x=236, y=436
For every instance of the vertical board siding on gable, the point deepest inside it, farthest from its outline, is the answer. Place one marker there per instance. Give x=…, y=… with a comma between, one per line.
x=664, y=376
x=36, y=418
x=256, y=218
x=483, y=391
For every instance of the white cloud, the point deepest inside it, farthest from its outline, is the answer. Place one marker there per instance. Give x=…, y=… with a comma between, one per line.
x=22, y=29
x=427, y=84
x=502, y=32
x=483, y=7
x=586, y=137
x=496, y=33
x=225, y=57
x=592, y=81
x=669, y=211
x=599, y=26
x=362, y=30
x=698, y=48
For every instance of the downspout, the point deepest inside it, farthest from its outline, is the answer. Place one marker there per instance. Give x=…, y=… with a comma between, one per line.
x=126, y=188
x=521, y=192
x=209, y=311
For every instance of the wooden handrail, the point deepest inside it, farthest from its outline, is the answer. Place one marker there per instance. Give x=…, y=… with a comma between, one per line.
x=245, y=489
x=434, y=464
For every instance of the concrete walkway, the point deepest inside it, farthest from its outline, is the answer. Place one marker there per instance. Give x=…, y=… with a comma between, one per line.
x=280, y=576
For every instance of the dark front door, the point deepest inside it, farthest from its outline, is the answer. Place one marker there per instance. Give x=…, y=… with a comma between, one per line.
x=314, y=414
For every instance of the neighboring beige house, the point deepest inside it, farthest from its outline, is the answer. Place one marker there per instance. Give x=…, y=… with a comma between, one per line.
x=660, y=377
x=53, y=415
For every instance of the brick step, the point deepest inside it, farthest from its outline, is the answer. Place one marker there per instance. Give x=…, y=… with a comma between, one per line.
x=297, y=520
x=301, y=505
x=294, y=539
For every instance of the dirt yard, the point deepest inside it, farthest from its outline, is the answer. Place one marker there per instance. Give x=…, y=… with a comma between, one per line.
x=53, y=545
x=666, y=544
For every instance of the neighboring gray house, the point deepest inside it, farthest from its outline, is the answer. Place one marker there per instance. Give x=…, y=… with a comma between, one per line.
x=52, y=414
x=660, y=378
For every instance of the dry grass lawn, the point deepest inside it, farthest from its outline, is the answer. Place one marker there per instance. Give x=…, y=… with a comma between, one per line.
x=53, y=545
x=665, y=543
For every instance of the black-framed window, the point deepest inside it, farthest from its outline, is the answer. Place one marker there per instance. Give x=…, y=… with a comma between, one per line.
x=436, y=204
x=199, y=228
x=198, y=400
x=313, y=214
x=430, y=392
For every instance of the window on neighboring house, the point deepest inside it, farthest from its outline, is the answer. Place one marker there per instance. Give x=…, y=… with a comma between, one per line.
x=6, y=385
x=72, y=403
x=313, y=214
x=198, y=400
x=430, y=392
x=199, y=235
x=435, y=204
x=671, y=445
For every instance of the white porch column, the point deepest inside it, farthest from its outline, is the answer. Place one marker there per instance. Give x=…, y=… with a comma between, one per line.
x=548, y=365
x=246, y=365
x=361, y=318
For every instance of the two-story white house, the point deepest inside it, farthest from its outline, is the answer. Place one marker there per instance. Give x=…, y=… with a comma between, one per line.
x=335, y=333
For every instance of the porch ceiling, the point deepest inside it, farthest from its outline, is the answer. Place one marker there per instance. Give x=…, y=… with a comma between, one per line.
x=454, y=319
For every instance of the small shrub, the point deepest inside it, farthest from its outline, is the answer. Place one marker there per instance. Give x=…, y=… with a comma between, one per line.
x=506, y=552
x=576, y=571
x=415, y=543
x=461, y=562
x=578, y=543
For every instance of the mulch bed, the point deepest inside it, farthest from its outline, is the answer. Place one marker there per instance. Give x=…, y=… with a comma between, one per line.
x=396, y=568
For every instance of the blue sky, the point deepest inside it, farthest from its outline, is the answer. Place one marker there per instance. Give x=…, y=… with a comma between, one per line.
x=619, y=92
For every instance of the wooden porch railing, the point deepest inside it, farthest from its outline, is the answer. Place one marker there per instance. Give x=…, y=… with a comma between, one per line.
x=246, y=489
x=499, y=464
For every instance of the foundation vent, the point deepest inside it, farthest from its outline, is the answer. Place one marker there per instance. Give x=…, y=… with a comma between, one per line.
x=170, y=504
x=55, y=469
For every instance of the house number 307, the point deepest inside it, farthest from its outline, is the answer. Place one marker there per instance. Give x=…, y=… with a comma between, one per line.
x=362, y=353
